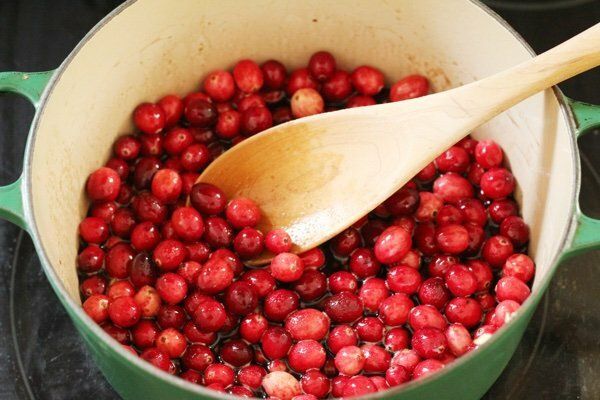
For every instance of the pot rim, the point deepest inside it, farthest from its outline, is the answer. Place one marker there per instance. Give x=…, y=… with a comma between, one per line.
x=107, y=340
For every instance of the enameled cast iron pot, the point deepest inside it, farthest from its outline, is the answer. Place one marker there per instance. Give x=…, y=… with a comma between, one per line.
x=148, y=48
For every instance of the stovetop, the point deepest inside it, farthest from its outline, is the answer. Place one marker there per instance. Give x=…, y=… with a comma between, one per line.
x=43, y=358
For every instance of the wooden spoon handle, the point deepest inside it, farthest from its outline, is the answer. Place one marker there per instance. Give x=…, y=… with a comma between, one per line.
x=486, y=98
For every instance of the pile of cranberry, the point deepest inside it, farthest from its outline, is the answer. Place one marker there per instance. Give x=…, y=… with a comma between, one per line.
x=426, y=277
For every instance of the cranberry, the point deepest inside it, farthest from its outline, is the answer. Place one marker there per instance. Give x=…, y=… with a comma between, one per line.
x=409, y=87
x=91, y=259
x=256, y=119
x=169, y=254
x=341, y=336
x=149, y=118
x=120, y=288
x=360, y=101
x=519, y=266
x=313, y=258
x=151, y=145
x=474, y=174
x=396, y=339
x=279, y=303
x=338, y=86
x=497, y=183
x=458, y=338
x=358, y=386
x=144, y=334
x=252, y=100
x=262, y=281
x=501, y=209
x=465, y=311
x=275, y=342
x=394, y=310
x=439, y=265
x=452, y=188
x=171, y=316
x=166, y=185
x=511, y=288
x=195, y=335
x=118, y=260
x=426, y=316
x=315, y=383
x=198, y=251
x=121, y=335
x=350, y=360
x=219, y=373
x=96, y=307
x=248, y=76
x=460, y=280
x=124, y=311
x=215, y=276
x=305, y=102
x=300, y=79
x=433, y=291
x=158, y=358
x=172, y=342
x=337, y=385
x=200, y=112
x=429, y=343
x=392, y=245
x=192, y=376
x=281, y=115
x=455, y=159
x=321, y=65
x=242, y=212
x=307, y=324
x=305, y=355
x=171, y=287
x=104, y=210
x=449, y=215
x=427, y=367
x=251, y=376
x=173, y=109
x=278, y=241
x=208, y=199
x=370, y=329
x=343, y=307
x=372, y=293
x=281, y=385
x=496, y=250
x=274, y=74
x=219, y=85
x=229, y=124
x=241, y=298
x=210, y=316
x=103, y=185
x=195, y=157
x=198, y=357
x=342, y=281
x=403, y=279
x=287, y=267
x=515, y=229
x=248, y=243
x=252, y=327
x=93, y=285
x=149, y=301
x=127, y=148
x=367, y=80
x=217, y=232
x=311, y=285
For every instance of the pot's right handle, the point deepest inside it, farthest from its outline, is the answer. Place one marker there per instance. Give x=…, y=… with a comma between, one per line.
x=587, y=230
x=31, y=85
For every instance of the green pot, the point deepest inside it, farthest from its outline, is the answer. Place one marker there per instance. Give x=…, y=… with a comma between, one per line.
x=146, y=49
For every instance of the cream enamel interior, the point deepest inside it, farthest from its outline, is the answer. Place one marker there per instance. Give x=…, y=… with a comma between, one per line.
x=156, y=47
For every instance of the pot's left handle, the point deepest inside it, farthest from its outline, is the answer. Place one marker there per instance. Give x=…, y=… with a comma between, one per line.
x=30, y=85
x=587, y=229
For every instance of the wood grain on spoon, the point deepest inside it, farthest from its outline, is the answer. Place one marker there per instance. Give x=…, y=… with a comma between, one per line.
x=315, y=176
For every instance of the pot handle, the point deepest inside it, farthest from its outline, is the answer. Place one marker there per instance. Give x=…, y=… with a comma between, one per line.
x=30, y=85
x=587, y=229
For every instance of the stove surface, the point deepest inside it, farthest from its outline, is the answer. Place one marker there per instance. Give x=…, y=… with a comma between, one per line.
x=41, y=355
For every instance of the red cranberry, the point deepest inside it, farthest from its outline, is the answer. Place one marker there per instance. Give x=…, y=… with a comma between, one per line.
x=403, y=279
x=519, y=266
x=433, y=291
x=396, y=339
x=278, y=241
x=251, y=376
x=515, y=229
x=219, y=373
x=307, y=324
x=173, y=109
x=311, y=285
x=103, y=185
x=429, y=343
x=252, y=100
x=305, y=355
x=93, y=285
x=121, y=335
x=482, y=272
x=172, y=342
x=343, y=307
x=118, y=260
x=358, y=386
x=104, y=210
x=120, y=288
x=474, y=174
x=145, y=236
x=198, y=357
x=394, y=310
x=350, y=360
x=252, y=327
x=409, y=87
x=392, y=245
x=151, y=145
x=256, y=119
x=360, y=101
x=144, y=172
x=229, y=124
x=337, y=385
x=465, y=311
x=511, y=288
x=210, y=316
x=158, y=358
x=242, y=212
x=342, y=281
x=460, y=280
x=497, y=183
x=370, y=329
x=149, y=118
x=217, y=232
x=452, y=188
x=503, y=313
x=315, y=383
x=241, y=298
x=198, y=252
x=363, y=263
x=248, y=243
x=341, y=336
x=124, y=311
x=488, y=154
x=299, y=79
x=215, y=276
x=449, y=215
x=200, y=112
x=192, y=376
x=275, y=342
x=166, y=185
x=458, y=338
x=281, y=115
x=501, y=209
x=313, y=258
x=219, y=85
x=262, y=281
x=195, y=335
x=372, y=293
x=144, y=334
x=337, y=87
x=429, y=206
x=426, y=367
x=279, y=304
x=91, y=259
x=127, y=148
x=496, y=250
x=176, y=140
x=171, y=316
x=171, y=287
x=195, y=157
x=321, y=65
x=149, y=301
x=96, y=307
x=248, y=76
x=367, y=80
x=287, y=267
x=397, y=375
x=169, y=254
x=274, y=74
x=439, y=265
x=455, y=159
x=426, y=316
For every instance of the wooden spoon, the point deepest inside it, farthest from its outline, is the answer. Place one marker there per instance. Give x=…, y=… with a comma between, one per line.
x=317, y=175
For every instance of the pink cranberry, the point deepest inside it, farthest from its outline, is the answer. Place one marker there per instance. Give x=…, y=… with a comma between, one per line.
x=426, y=316
x=519, y=266
x=281, y=385
x=392, y=245
x=149, y=118
x=429, y=206
x=278, y=304
x=149, y=301
x=409, y=87
x=341, y=336
x=458, y=338
x=305, y=102
x=511, y=288
x=350, y=360
x=460, y=280
x=408, y=358
x=394, y=310
x=307, y=323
